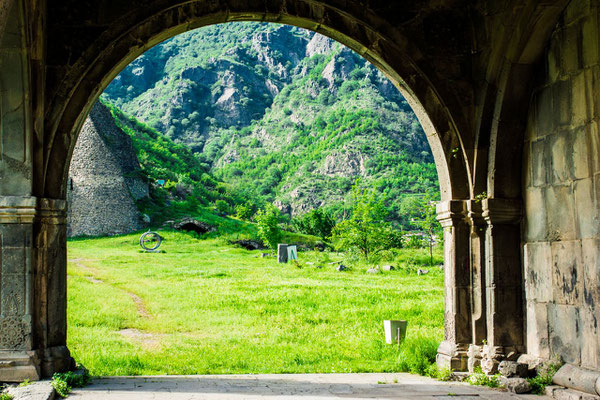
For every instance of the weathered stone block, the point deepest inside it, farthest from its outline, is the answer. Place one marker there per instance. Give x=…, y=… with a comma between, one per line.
x=576, y=10
x=537, y=329
x=535, y=215
x=517, y=385
x=538, y=271
x=568, y=271
x=590, y=338
x=561, y=103
x=561, y=213
x=580, y=161
x=593, y=134
x=564, y=335
x=588, y=223
x=590, y=43
x=579, y=100
x=571, y=49
x=541, y=167
x=590, y=249
x=544, y=114
x=513, y=368
x=560, y=159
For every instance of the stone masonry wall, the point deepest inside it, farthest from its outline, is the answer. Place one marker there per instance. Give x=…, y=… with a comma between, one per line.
x=562, y=193
x=104, y=180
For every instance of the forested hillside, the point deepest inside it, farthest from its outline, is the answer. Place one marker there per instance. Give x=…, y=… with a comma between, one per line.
x=279, y=114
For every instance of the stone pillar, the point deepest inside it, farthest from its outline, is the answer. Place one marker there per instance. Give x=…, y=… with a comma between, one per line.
x=452, y=352
x=32, y=290
x=503, y=282
x=50, y=260
x=478, y=261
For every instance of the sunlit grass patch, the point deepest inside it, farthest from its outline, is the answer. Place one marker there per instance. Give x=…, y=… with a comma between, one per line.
x=216, y=308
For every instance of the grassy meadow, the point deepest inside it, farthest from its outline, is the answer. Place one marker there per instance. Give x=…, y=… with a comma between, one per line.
x=204, y=306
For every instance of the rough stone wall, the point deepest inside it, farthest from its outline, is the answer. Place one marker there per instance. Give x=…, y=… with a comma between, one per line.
x=561, y=194
x=104, y=180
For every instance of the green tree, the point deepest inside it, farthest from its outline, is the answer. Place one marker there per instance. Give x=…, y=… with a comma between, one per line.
x=426, y=219
x=315, y=222
x=366, y=230
x=268, y=225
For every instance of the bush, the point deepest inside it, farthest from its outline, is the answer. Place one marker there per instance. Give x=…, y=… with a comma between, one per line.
x=315, y=222
x=268, y=225
x=543, y=378
x=479, y=378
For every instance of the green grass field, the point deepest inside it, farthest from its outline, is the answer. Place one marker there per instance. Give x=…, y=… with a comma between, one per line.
x=206, y=307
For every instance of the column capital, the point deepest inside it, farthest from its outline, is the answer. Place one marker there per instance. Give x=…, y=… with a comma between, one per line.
x=502, y=211
x=28, y=209
x=450, y=212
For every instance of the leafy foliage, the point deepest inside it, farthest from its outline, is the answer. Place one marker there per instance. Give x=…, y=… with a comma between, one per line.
x=268, y=225
x=316, y=222
x=366, y=229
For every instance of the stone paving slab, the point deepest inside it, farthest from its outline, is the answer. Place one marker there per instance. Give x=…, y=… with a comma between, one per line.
x=293, y=386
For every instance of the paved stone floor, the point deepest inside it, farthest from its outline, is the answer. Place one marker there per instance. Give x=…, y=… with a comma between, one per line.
x=300, y=386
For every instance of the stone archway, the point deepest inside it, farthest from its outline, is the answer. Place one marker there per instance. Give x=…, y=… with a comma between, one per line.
x=460, y=64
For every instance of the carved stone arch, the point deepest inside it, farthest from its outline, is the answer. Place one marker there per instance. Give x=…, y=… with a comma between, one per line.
x=368, y=35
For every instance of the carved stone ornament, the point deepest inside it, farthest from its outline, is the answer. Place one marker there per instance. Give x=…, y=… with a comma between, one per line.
x=12, y=333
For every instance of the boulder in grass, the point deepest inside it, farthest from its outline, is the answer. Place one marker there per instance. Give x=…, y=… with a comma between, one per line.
x=341, y=268
x=373, y=271
x=422, y=272
x=388, y=268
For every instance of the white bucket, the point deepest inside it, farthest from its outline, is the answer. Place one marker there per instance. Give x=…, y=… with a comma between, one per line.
x=395, y=331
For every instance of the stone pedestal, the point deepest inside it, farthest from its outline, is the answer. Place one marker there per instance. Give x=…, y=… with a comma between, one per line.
x=452, y=352
x=32, y=288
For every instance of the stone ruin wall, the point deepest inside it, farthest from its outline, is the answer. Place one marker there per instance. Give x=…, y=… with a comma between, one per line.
x=562, y=193
x=104, y=180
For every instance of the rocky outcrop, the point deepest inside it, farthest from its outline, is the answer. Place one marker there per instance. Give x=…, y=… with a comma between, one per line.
x=105, y=180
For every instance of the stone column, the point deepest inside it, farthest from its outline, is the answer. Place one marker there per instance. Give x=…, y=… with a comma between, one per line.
x=504, y=282
x=18, y=360
x=50, y=261
x=478, y=261
x=452, y=352
x=32, y=291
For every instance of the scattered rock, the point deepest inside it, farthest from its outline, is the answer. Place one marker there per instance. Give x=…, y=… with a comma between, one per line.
x=192, y=225
x=319, y=266
x=373, y=271
x=34, y=391
x=249, y=244
x=341, y=268
x=532, y=362
x=517, y=385
x=513, y=368
x=388, y=268
x=422, y=272
x=263, y=255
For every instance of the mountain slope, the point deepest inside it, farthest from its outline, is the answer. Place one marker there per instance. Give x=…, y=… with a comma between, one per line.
x=280, y=114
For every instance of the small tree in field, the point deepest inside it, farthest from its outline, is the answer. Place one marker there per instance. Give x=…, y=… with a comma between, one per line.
x=268, y=225
x=366, y=230
x=426, y=219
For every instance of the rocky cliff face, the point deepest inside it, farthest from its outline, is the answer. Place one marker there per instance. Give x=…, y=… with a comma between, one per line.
x=284, y=113
x=104, y=180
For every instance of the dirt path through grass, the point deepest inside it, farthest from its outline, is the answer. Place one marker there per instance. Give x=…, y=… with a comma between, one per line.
x=139, y=303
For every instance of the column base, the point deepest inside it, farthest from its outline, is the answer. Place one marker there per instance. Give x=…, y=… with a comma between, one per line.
x=16, y=366
x=452, y=356
x=493, y=355
x=56, y=359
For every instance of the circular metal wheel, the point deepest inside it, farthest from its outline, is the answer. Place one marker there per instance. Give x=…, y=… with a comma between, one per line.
x=150, y=240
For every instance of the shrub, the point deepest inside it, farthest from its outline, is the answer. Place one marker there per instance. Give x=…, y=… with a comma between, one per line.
x=268, y=225
x=479, y=378
x=543, y=378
